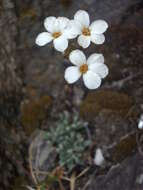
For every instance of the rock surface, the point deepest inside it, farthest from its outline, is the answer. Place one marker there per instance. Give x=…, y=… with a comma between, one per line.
x=124, y=176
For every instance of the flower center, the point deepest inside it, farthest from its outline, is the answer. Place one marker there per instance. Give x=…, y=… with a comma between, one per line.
x=56, y=34
x=83, y=68
x=86, y=31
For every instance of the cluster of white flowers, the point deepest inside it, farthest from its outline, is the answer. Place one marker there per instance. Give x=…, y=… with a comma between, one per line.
x=60, y=30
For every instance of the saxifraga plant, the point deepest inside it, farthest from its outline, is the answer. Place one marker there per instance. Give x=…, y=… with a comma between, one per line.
x=69, y=137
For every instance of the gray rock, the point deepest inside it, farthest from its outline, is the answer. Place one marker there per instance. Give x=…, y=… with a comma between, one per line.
x=43, y=154
x=124, y=176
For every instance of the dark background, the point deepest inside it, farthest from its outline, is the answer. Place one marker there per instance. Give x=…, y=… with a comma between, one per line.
x=30, y=74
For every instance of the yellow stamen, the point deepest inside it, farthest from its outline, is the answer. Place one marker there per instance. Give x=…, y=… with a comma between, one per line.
x=83, y=68
x=86, y=32
x=56, y=34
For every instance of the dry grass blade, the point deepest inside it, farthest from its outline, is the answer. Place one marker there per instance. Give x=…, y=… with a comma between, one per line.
x=30, y=164
x=72, y=181
x=82, y=173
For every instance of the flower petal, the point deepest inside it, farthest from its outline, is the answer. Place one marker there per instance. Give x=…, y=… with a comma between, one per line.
x=72, y=74
x=95, y=58
x=61, y=44
x=84, y=41
x=100, y=69
x=77, y=57
x=98, y=27
x=83, y=17
x=98, y=38
x=91, y=80
x=78, y=25
x=73, y=29
x=49, y=23
x=63, y=22
x=43, y=38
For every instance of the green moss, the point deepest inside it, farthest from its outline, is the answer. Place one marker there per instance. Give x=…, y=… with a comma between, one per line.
x=66, y=3
x=19, y=183
x=28, y=13
x=124, y=148
x=115, y=102
x=33, y=112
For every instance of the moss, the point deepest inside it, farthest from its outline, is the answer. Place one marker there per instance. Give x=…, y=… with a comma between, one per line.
x=124, y=148
x=33, y=112
x=19, y=183
x=28, y=13
x=115, y=102
x=66, y=3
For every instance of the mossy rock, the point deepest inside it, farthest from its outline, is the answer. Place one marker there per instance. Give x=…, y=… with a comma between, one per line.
x=33, y=112
x=113, y=101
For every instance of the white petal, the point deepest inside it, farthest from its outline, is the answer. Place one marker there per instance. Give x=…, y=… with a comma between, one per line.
x=98, y=38
x=72, y=74
x=61, y=44
x=59, y=24
x=73, y=30
x=77, y=24
x=49, y=23
x=100, y=69
x=56, y=26
x=83, y=17
x=63, y=22
x=43, y=38
x=95, y=58
x=98, y=27
x=91, y=80
x=77, y=57
x=84, y=41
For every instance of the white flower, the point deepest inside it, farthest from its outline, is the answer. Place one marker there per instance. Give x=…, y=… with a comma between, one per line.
x=87, y=32
x=99, y=158
x=57, y=31
x=93, y=69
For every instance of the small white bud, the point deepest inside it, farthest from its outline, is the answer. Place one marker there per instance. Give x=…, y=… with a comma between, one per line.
x=98, y=158
x=140, y=123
